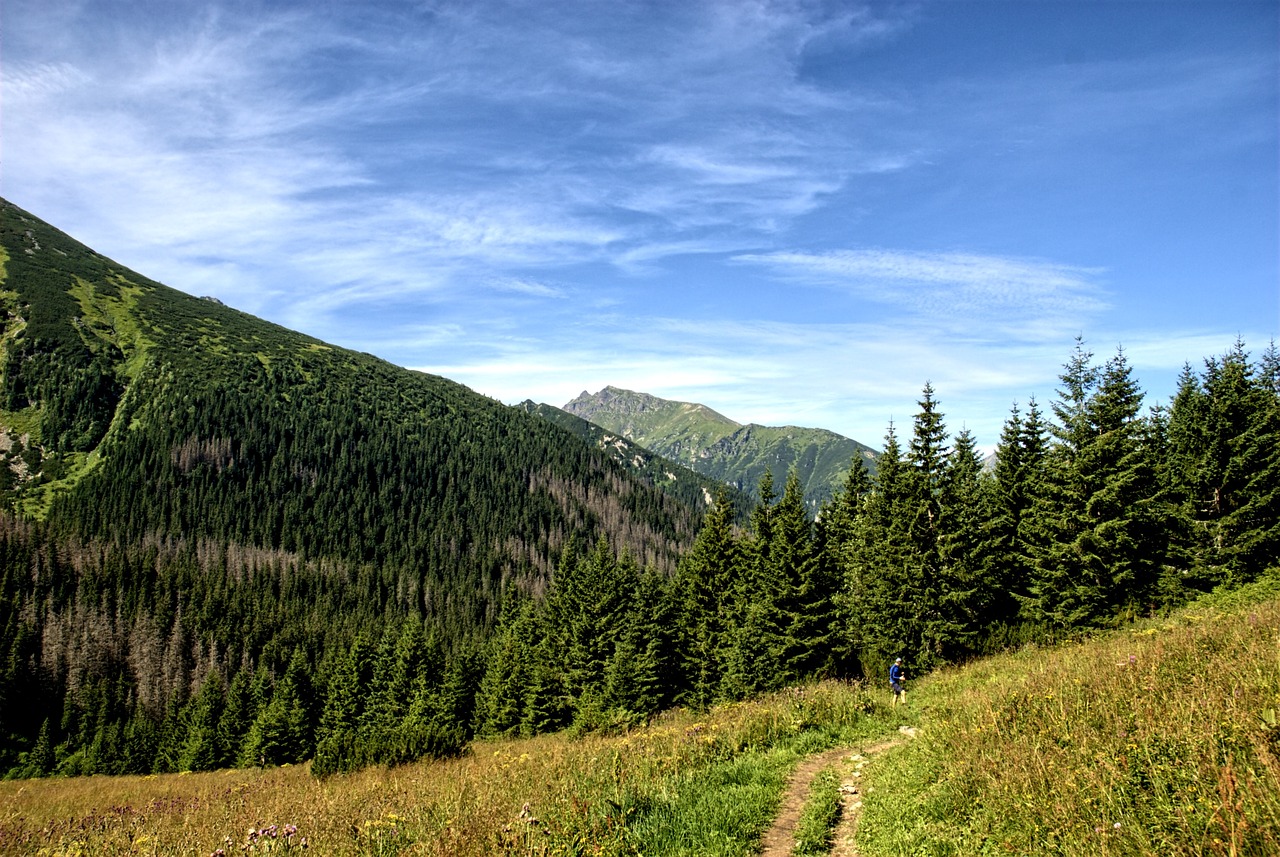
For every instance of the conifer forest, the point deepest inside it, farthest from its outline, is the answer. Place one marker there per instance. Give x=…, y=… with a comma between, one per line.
x=223, y=543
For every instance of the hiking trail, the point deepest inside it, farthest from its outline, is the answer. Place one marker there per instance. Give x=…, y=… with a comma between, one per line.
x=779, y=839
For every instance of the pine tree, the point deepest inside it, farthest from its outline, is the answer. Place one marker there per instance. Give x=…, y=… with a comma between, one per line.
x=238, y=714
x=963, y=544
x=337, y=745
x=705, y=580
x=636, y=679
x=1097, y=539
x=141, y=740
x=755, y=658
x=924, y=582
x=284, y=731
x=40, y=761
x=500, y=700
x=883, y=621
x=1223, y=433
x=838, y=542
x=202, y=751
x=586, y=604
x=1018, y=481
x=808, y=597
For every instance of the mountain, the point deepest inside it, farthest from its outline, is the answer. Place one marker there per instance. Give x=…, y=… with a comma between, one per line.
x=685, y=484
x=722, y=449
x=132, y=411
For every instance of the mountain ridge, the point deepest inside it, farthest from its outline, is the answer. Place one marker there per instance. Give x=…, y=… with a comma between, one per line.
x=721, y=448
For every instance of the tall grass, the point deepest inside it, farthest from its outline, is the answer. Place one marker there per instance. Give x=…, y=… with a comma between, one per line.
x=1157, y=740
x=687, y=784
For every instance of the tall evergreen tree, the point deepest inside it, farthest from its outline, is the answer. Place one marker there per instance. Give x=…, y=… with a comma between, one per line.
x=501, y=698
x=1097, y=551
x=284, y=730
x=1222, y=436
x=838, y=540
x=802, y=614
x=1018, y=481
x=967, y=602
x=202, y=751
x=705, y=580
x=755, y=659
x=883, y=621
x=923, y=582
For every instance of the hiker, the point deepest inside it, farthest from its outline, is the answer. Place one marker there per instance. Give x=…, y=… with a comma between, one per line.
x=897, y=675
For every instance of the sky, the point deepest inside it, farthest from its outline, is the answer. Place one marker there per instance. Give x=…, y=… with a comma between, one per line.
x=792, y=212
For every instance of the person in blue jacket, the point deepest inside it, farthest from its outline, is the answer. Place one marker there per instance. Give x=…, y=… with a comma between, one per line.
x=897, y=676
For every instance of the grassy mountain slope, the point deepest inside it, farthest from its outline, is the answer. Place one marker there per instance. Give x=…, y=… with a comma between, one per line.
x=716, y=446
x=130, y=410
x=1158, y=739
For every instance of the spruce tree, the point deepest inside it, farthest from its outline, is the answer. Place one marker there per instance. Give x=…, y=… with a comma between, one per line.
x=1097, y=540
x=337, y=744
x=237, y=716
x=202, y=751
x=923, y=583
x=1018, y=481
x=705, y=580
x=966, y=601
x=838, y=542
x=1222, y=436
x=755, y=659
x=801, y=601
x=883, y=622
x=500, y=699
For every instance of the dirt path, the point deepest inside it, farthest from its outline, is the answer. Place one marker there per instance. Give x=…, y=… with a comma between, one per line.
x=779, y=840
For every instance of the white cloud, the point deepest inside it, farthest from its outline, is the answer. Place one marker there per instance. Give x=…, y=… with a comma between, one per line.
x=529, y=288
x=954, y=289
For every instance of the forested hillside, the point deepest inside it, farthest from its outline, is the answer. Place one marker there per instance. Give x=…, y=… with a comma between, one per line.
x=199, y=502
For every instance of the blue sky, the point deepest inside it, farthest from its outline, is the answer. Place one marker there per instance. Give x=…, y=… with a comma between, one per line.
x=794, y=212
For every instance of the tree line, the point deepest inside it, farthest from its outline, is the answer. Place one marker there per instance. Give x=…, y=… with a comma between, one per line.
x=167, y=654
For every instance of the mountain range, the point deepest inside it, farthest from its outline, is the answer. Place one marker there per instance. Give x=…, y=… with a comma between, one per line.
x=722, y=449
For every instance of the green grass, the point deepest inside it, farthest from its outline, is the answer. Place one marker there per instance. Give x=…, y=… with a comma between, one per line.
x=722, y=811
x=114, y=319
x=816, y=828
x=1160, y=739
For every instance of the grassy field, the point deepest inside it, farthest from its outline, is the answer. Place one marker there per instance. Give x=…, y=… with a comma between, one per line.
x=1160, y=739
x=688, y=784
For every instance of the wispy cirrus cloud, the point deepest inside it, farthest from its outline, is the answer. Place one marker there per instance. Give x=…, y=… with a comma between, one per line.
x=952, y=288
x=487, y=136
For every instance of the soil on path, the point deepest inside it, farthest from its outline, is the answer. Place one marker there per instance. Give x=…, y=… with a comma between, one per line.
x=779, y=840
